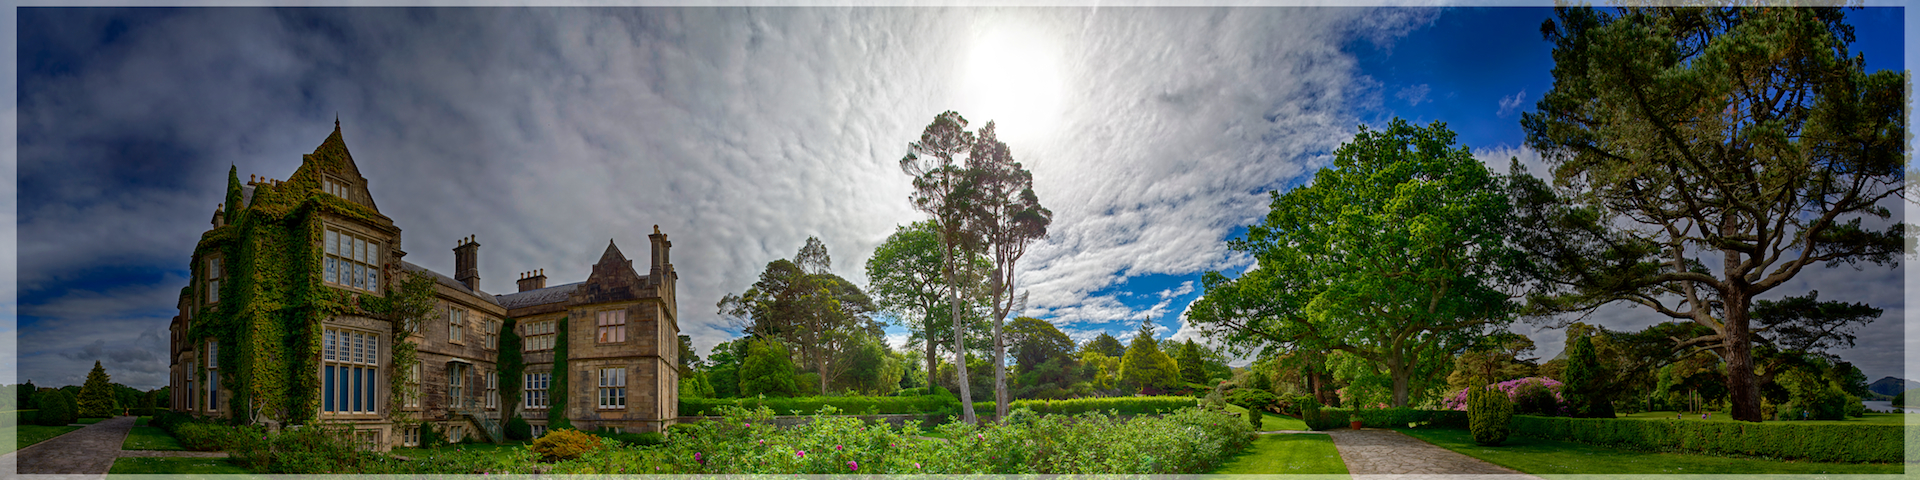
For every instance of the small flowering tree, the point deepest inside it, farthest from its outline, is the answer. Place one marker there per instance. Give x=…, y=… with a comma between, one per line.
x=1529, y=395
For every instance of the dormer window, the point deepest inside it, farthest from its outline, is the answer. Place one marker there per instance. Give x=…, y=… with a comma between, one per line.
x=335, y=188
x=352, y=261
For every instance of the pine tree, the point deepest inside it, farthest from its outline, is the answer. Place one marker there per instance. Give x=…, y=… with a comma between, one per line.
x=96, y=397
x=1585, y=381
x=1488, y=412
x=1193, y=364
x=1146, y=368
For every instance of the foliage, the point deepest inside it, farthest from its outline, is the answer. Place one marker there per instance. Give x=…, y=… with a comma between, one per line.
x=1397, y=417
x=57, y=408
x=1488, y=416
x=512, y=374
x=557, y=388
x=1106, y=345
x=1744, y=138
x=1899, y=400
x=940, y=189
x=1102, y=370
x=872, y=367
x=207, y=437
x=1193, y=364
x=1530, y=396
x=1005, y=214
x=1254, y=399
x=767, y=370
x=1395, y=254
x=1323, y=418
x=1784, y=440
x=431, y=436
x=1499, y=357
x=518, y=429
x=564, y=444
x=1145, y=368
x=96, y=397
x=1549, y=458
x=1585, y=382
x=905, y=282
x=802, y=303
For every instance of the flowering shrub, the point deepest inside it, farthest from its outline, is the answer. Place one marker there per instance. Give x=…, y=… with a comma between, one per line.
x=566, y=444
x=1187, y=441
x=1529, y=395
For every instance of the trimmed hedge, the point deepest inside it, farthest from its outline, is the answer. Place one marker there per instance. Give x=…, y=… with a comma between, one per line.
x=809, y=405
x=1328, y=418
x=1076, y=406
x=1820, y=443
x=25, y=417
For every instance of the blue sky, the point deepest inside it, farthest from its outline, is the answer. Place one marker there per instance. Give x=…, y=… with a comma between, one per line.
x=1153, y=134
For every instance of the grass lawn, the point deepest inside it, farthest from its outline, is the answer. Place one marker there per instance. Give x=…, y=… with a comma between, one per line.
x=26, y=435
x=150, y=438
x=1272, y=422
x=174, y=466
x=1284, y=453
x=142, y=421
x=1552, y=457
x=1870, y=419
x=417, y=452
x=90, y=421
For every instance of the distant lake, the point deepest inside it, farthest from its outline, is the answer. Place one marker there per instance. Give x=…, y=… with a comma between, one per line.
x=1884, y=405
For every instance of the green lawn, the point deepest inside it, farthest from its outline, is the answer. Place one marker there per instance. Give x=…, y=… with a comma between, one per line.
x=174, y=466
x=1285, y=453
x=1552, y=457
x=1870, y=419
x=142, y=421
x=1272, y=422
x=150, y=438
x=27, y=435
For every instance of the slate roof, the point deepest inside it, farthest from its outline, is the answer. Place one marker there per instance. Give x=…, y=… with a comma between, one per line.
x=543, y=296
x=449, y=281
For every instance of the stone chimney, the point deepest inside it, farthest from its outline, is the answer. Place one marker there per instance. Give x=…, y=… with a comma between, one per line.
x=661, y=262
x=466, y=263
x=533, y=280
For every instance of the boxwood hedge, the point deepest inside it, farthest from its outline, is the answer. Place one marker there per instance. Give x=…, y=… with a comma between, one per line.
x=1820, y=443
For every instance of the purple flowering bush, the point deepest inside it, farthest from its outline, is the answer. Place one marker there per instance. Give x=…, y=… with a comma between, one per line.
x=1530, y=396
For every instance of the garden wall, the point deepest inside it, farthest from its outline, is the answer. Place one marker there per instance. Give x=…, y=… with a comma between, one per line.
x=1783, y=440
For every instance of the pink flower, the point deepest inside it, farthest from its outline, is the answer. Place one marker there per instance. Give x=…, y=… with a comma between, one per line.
x=747, y=424
x=916, y=464
x=802, y=453
x=853, y=465
x=838, y=448
x=696, y=458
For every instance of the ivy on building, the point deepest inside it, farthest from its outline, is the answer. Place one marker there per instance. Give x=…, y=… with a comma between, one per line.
x=557, y=410
x=512, y=366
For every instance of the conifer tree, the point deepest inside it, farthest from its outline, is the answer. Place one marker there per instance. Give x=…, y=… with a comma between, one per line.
x=96, y=397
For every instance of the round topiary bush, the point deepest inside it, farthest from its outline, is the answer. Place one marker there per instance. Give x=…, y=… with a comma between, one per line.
x=1487, y=415
x=565, y=444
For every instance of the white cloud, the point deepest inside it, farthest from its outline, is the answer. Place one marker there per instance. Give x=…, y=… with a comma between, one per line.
x=1414, y=94
x=1510, y=103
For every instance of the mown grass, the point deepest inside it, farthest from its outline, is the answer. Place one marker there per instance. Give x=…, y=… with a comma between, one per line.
x=1296, y=453
x=142, y=421
x=1553, y=457
x=1869, y=419
x=150, y=438
x=27, y=435
x=1271, y=422
x=174, y=466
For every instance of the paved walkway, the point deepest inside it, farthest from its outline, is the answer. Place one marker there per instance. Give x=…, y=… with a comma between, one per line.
x=1387, y=454
x=88, y=451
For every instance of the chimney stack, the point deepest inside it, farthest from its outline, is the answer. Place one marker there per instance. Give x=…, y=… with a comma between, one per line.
x=533, y=280
x=661, y=261
x=466, y=263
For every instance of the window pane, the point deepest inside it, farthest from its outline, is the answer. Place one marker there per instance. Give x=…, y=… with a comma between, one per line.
x=373, y=253
x=328, y=383
x=356, y=389
x=333, y=242
x=359, y=272
x=359, y=249
x=373, y=278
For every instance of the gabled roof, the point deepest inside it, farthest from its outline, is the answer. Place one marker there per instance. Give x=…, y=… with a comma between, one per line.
x=332, y=155
x=543, y=296
x=612, y=256
x=449, y=282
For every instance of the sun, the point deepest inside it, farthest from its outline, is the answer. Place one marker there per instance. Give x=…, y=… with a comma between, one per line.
x=1013, y=78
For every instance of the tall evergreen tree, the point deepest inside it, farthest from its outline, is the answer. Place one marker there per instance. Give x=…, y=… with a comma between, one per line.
x=97, y=396
x=1585, y=381
x=1193, y=363
x=1106, y=345
x=1146, y=368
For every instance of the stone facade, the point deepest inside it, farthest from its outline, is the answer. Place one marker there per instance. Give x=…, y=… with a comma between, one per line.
x=621, y=323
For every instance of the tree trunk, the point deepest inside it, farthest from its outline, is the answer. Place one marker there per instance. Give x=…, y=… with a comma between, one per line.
x=1402, y=374
x=999, y=371
x=959, y=345
x=1743, y=392
x=933, y=359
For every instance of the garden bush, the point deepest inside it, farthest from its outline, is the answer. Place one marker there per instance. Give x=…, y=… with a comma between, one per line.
x=1253, y=399
x=1324, y=418
x=1406, y=416
x=57, y=408
x=201, y=436
x=566, y=444
x=308, y=450
x=168, y=419
x=1782, y=440
x=1488, y=416
x=646, y=439
x=518, y=429
x=25, y=417
x=1121, y=405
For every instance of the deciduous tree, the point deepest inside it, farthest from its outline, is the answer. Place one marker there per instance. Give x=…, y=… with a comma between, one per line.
x=941, y=189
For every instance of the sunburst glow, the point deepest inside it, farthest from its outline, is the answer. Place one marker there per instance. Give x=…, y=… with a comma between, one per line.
x=1013, y=78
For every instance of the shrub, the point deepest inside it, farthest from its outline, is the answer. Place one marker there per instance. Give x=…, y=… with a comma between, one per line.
x=1404, y=416
x=1253, y=399
x=1488, y=416
x=568, y=444
x=1322, y=418
x=310, y=450
x=168, y=420
x=200, y=436
x=25, y=417
x=809, y=405
x=430, y=435
x=646, y=439
x=1254, y=419
x=518, y=429
x=57, y=408
x=1783, y=440
x=1121, y=405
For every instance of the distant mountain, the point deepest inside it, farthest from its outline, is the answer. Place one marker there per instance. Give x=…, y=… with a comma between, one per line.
x=1892, y=386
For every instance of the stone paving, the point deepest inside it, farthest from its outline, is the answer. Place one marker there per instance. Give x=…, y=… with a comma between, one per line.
x=89, y=451
x=1386, y=454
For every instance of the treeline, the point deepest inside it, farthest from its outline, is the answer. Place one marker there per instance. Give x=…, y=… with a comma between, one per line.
x=99, y=397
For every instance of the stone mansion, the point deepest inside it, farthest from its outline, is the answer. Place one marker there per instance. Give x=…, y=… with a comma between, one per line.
x=283, y=323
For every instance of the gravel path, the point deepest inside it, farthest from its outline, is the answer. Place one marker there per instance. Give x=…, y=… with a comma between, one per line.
x=1382, y=454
